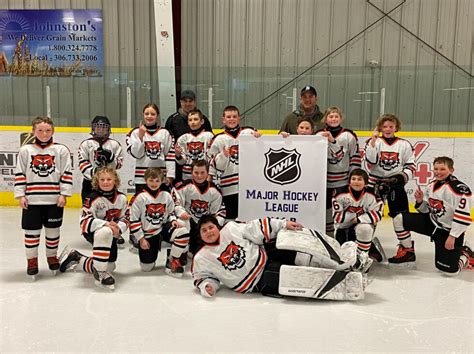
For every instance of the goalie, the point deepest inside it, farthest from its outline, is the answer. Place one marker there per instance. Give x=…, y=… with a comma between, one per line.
x=277, y=257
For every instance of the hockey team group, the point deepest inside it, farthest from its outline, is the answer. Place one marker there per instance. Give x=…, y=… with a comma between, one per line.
x=187, y=180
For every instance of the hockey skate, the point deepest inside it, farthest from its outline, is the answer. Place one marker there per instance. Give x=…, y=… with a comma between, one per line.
x=174, y=267
x=468, y=252
x=104, y=280
x=362, y=263
x=404, y=255
x=376, y=251
x=69, y=259
x=32, y=269
x=184, y=259
x=53, y=264
x=120, y=242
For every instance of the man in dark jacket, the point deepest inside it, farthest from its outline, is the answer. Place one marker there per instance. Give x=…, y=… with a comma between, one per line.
x=177, y=123
x=307, y=109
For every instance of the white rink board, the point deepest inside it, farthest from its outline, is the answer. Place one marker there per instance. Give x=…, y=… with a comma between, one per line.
x=426, y=149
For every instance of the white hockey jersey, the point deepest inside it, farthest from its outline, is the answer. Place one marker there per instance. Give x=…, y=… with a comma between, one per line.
x=149, y=210
x=43, y=173
x=343, y=157
x=388, y=159
x=198, y=201
x=101, y=207
x=194, y=147
x=156, y=150
x=238, y=258
x=90, y=158
x=449, y=205
x=227, y=167
x=346, y=206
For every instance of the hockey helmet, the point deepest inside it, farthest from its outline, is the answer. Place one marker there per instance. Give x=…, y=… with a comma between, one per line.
x=100, y=127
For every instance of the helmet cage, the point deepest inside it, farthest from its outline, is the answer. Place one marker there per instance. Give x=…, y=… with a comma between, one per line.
x=100, y=130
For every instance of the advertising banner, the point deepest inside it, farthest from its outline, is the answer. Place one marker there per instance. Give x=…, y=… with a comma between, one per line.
x=51, y=42
x=283, y=177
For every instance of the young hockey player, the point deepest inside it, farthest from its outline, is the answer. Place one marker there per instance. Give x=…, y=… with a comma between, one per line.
x=302, y=262
x=151, y=146
x=343, y=157
x=152, y=221
x=98, y=151
x=104, y=217
x=305, y=126
x=390, y=162
x=196, y=198
x=194, y=145
x=224, y=158
x=43, y=180
x=356, y=211
x=444, y=216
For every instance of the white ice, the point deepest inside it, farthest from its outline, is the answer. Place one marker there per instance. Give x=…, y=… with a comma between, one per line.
x=413, y=309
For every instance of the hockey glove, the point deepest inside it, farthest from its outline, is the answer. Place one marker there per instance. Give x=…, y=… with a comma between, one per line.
x=104, y=156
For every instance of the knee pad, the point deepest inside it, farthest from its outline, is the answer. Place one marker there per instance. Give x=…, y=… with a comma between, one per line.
x=364, y=232
x=147, y=267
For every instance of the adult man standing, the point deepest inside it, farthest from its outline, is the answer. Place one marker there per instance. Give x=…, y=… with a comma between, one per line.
x=177, y=123
x=307, y=109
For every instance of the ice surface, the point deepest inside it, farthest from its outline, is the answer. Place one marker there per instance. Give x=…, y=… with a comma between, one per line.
x=405, y=309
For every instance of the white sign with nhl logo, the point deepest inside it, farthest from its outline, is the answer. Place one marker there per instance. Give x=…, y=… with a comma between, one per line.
x=283, y=177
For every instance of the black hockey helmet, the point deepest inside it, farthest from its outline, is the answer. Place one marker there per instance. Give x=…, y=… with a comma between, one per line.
x=100, y=127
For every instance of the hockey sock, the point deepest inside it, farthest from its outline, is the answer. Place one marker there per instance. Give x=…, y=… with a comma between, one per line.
x=404, y=237
x=52, y=241
x=180, y=242
x=364, y=233
x=32, y=241
x=329, y=223
x=101, y=251
x=86, y=264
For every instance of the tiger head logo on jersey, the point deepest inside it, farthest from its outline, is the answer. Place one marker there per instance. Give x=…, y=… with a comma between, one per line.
x=233, y=257
x=152, y=149
x=112, y=215
x=195, y=150
x=199, y=207
x=436, y=207
x=155, y=213
x=234, y=154
x=42, y=164
x=389, y=160
x=356, y=210
x=335, y=159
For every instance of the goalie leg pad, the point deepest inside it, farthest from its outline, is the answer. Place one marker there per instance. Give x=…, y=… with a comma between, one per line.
x=325, y=251
x=319, y=283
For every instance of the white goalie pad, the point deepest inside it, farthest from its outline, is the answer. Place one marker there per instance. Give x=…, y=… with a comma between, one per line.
x=319, y=283
x=325, y=251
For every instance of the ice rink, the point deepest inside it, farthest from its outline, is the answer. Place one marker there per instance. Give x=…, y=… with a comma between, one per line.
x=413, y=309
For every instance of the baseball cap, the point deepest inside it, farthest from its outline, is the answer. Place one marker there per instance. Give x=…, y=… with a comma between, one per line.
x=308, y=89
x=188, y=94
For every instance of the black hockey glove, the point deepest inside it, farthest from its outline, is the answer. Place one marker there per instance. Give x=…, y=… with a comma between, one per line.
x=397, y=180
x=104, y=156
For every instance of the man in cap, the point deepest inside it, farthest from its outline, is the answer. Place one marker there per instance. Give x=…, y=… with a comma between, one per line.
x=307, y=109
x=177, y=123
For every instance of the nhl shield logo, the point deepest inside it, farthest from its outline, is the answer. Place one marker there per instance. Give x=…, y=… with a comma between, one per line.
x=282, y=166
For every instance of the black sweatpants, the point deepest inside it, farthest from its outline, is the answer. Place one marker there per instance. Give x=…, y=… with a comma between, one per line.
x=445, y=260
